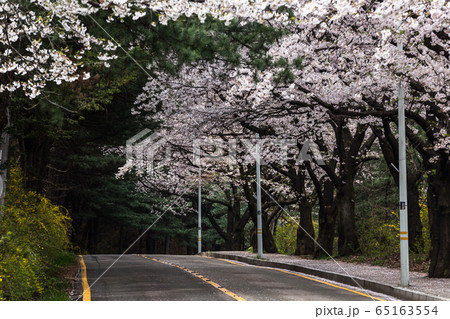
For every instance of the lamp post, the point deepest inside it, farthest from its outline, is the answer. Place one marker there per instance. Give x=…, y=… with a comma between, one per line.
x=199, y=211
x=258, y=200
x=403, y=196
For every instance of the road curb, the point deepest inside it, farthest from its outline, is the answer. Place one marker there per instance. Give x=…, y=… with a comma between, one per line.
x=397, y=292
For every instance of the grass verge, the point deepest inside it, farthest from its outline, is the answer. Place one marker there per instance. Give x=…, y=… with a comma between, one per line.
x=60, y=279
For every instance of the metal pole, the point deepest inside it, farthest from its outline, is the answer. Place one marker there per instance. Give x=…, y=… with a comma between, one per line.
x=403, y=196
x=200, y=211
x=258, y=200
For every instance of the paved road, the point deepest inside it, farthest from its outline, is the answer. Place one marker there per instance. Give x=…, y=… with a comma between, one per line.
x=173, y=278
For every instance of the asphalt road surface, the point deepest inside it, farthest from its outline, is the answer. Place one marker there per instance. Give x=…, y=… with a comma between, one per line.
x=174, y=278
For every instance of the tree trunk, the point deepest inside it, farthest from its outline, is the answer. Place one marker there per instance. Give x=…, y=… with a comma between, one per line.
x=235, y=241
x=268, y=240
x=151, y=244
x=140, y=245
x=35, y=161
x=235, y=230
x=305, y=233
x=415, y=236
x=327, y=222
x=267, y=236
x=167, y=244
x=349, y=149
x=305, y=244
x=345, y=201
x=4, y=146
x=233, y=234
x=92, y=235
x=121, y=239
x=148, y=243
x=439, y=208
x=389, y=147
x=4, y=104
x=84, y=231
x=4, y=138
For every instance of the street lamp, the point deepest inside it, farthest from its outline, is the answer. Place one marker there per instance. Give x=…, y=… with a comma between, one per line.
x=403, y=196
x=199, y=211
x=258, y=200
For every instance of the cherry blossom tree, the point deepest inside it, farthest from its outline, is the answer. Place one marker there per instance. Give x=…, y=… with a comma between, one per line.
x=350, y=67
x=421, y=28
x=45, y=41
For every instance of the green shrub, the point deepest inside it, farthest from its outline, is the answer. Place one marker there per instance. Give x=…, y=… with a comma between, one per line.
x=32, y=233
x=422, y=254
x=381, y=236
x=286, y=236
x=56, y=287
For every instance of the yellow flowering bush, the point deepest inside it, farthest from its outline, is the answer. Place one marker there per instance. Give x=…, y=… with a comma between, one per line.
x=381, y=237
x=32, y=232
x=286, y=236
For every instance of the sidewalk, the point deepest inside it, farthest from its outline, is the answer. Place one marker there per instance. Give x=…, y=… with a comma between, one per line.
x=376, y=278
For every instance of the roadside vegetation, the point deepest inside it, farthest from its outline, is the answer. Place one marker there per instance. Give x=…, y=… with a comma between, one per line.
x=34, y=243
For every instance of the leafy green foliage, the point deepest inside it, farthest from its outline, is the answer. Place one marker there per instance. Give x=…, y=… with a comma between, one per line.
x=286, y=236
x=381, y=237
x=422, y=254
x=32, y=233
x=378, y=219
x=56, y=286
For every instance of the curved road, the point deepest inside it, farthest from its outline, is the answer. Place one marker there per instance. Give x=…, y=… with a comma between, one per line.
x=173, y=278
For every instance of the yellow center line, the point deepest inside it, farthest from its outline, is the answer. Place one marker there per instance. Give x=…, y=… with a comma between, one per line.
x=313, y=279
x=327, y=283
x=208, y=281
x=84, y=282
x=229, y=261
